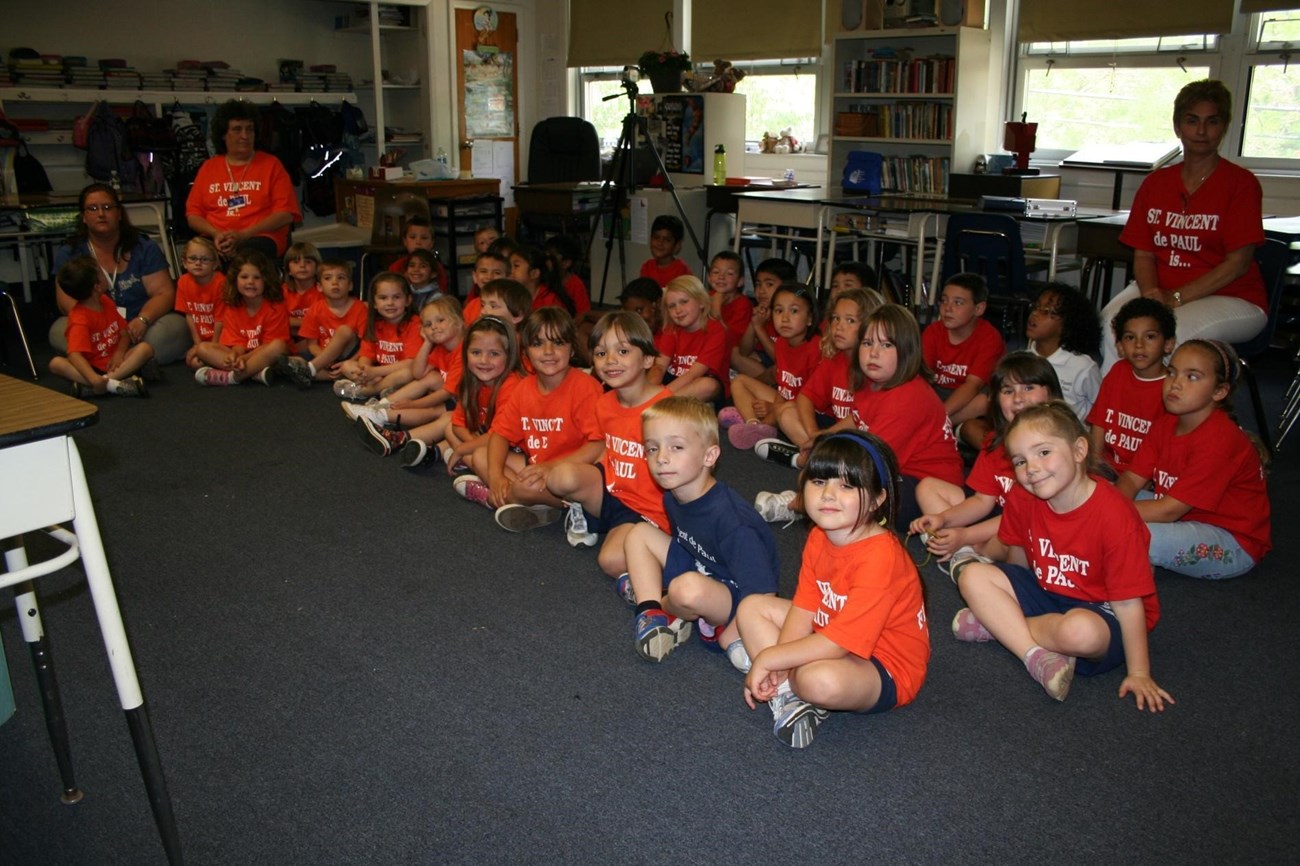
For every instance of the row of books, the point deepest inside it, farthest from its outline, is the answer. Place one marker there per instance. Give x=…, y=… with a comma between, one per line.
x=75, y=72
x=937, y=74
x=925, y=175
x=917, y=120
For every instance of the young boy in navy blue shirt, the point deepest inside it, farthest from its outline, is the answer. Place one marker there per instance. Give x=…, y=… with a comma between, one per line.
x=718, y=551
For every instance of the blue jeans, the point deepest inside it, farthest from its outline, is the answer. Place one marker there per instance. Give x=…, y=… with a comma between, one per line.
x=1198, y=550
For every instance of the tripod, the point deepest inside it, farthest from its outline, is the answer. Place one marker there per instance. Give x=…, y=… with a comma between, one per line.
x=622, y=183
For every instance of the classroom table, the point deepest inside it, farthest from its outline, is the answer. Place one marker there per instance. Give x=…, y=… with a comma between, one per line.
x=783, y=215
x=45, y=485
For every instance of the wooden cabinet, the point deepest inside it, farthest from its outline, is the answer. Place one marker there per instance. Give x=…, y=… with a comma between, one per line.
x=918, y=97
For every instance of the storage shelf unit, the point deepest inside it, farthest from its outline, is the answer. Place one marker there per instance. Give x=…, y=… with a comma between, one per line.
x=397, y=48
x=961, y=105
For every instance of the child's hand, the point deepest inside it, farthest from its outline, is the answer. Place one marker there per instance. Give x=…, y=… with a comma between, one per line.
x=1149, y=696
x=760, y=316
x=945, y=542
x=533, y=477
x=762, y=409
x=925, y=523
x=499, y=493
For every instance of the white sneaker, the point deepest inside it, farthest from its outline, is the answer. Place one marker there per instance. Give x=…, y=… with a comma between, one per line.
x=775, y=507
x=373, y=410
x=348, y=390
x=575, y=528
x=795, y=721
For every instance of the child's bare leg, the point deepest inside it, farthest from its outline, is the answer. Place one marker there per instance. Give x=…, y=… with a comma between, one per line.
x=646, y=549
x=416, y=417
x=974, y=431
x=396, y=379
x=789, y=423
x=192, y=359
x=692, y=595
x=582, y=483
x=705, y=388
x=136, y=357
x=339, y=346
x=849, y=683
x=934, y=495
x=988, y=592
x=612, y=559
x=746, y=364
x=64, y=369
x=1080, y=633
x=742, y=396
x=260, y=358
x=213, y=355
x=759, y=619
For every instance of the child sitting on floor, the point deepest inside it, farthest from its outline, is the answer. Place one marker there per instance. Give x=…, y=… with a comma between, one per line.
x=101, y=358
x=332, y=328
x=253, y=333
x=663, y=266
x=693, y=346
x=1132, y=394
x=198, y=294
x=717, y=552
x=855, y=637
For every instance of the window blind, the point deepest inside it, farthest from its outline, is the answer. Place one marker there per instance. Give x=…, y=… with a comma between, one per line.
x=1056, y=21
x=755, y=29
x=1249, y=6
x=608, y=34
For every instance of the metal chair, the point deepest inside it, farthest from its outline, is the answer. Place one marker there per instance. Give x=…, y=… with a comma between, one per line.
x=989, y=245
x=1273, y=257
x=18, y=324
x=150, y=217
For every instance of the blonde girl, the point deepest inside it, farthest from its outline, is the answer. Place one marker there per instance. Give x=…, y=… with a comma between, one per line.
x=692, y=347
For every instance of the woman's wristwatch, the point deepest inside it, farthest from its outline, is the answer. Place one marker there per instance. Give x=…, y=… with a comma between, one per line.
x=142, y=317
x=1178, y=298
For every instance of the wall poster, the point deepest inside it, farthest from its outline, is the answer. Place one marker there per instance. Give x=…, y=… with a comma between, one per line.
x=676, y=125
x=489, y=94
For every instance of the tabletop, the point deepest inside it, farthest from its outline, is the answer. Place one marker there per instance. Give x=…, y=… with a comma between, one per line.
x=29, y=412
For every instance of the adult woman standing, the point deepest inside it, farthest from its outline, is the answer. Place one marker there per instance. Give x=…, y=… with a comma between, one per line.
x=134, y=268
x=1194, y=227
x=242, y=198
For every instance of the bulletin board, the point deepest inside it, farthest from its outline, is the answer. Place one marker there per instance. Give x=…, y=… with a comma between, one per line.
x=487, y=82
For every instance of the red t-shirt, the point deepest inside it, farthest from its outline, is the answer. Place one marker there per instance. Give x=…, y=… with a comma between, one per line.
x=473, y=309
x=665, y=275
x=482, y=423
x=794, y=364
x=911, y=419
x=976, y=355
x=450, y=365
x=232, y=197
x=1126, y=408
x=992, y=473
x=545, y=297
x=577, y=290
x=828, y=386
x=1191, y=235
x=626, y=474
x=549, y=426
x=866, y=598
x=736, y=315
x=1097, y=552
x=707, y=346
x=239, y=327
x=1214, y=469
x=393, y=342
x=95, y=333
x=201, y=303
x=320, y=323
x=298, y=303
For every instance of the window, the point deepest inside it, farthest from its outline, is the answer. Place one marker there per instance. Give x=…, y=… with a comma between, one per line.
x=1272, y=115
x=1122, y=90
x=778, y=95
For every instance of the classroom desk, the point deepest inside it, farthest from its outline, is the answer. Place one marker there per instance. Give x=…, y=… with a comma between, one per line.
x=45, y=485
x=779, y=215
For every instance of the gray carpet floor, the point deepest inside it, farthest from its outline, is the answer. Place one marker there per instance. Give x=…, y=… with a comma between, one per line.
x=345, y=663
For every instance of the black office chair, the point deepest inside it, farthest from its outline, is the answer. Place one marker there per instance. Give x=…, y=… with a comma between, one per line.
x=989, y=245
x=1273, y=257
x=561, y=150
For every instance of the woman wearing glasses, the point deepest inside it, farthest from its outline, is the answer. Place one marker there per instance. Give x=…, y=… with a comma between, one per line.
x=1194, y=227
x=135, y=270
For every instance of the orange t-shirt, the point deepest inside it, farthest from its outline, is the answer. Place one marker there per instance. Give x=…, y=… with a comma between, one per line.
x=261, y=188
x=201, y=303
x=320, y=323
x=95, y=333
x=627, y=475
x=298, y=303
x=239, y=327
x=866, y=598
x=549, y=426
x=508, y=385
x=472, y=310
x=393, y=342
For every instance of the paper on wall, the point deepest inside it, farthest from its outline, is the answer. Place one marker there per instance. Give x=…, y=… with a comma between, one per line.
x=494, y=158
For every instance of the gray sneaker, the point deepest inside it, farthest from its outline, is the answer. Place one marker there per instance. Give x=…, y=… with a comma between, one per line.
x=775, y=507
x=132, y=386
x=962, y=557
x=348, y=390
x=513, y=517
x=297, y=370
x=575, y=527
x=795, y=721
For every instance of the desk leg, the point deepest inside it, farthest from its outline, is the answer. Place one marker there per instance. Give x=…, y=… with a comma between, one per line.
x=29, y=618
x=119, y=656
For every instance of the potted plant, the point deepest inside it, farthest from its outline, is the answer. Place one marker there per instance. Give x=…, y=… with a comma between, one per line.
x=664, y=69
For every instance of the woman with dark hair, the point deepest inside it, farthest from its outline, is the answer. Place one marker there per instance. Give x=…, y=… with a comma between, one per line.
x=1194, y=227
x=242, y=198
x=135, y=270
